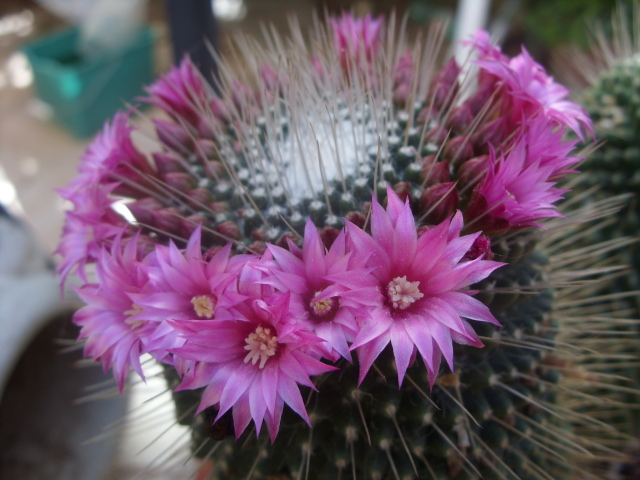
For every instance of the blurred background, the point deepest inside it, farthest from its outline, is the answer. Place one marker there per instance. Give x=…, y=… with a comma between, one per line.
x=47, y=118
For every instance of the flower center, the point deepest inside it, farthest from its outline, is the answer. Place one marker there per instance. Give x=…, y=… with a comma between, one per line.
x=321, y=308
x=133, y=311
x=261, y=345
x=204, y=305
x=403, y=293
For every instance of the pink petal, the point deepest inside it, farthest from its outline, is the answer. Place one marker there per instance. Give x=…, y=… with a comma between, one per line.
x=269, y=384
x=237, y=384
x=378, y=324
x=403, y=348
x=368, y=353
x=469, y=307
x=242, y=416
x=289, y=391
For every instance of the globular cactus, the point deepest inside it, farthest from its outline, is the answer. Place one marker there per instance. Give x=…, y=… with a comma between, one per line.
x=326, y=229
x=607, y=80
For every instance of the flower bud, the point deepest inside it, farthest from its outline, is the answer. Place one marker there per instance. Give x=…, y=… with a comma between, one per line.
x=461, y=118
x=173, y=135
x=167, y=162
x=144, y=208
x=403, y=190
x=229, y=229
x=491, y=133
x=444, y=87
x=199, y=198
x=472, y=171
x=458, y=149
x=481, y=248
x=220, y=109
x=190, y=223
x=167, y=220
x=206, y=148
x=434, y=172
x=328, y=236
x=437, y=135
x=179, y=181
x=439, y=202
x=357, y=218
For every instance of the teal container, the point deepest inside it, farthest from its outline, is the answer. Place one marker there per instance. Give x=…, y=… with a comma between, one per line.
x=84, y=93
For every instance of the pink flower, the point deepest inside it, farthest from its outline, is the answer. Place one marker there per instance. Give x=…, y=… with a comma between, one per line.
x=182, y=93
x=111, y=157
x=327, y=290
x=531, y=91
x=356, y=39
x=423, y=282
x=252, y=365
x=88, y=227
x=110, y=322
x=517, y=191
x=183, y=286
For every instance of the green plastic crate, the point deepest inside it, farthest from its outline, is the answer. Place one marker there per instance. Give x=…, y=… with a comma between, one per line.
x=84, y=93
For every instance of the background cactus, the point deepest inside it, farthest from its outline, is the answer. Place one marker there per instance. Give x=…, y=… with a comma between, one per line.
x=330, y=132
x=607, y=79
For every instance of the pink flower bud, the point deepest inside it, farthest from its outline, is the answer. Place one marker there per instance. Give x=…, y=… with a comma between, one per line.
x=481, y=248
x=434, y=172
x=461, y=118
x=229, y=229
x=458, y=149
x=444, y=87
x=357, y=218
x=439, y=202
x=179, y=181
x=199, y=198
x=491, y=133
x=144, y=208
x=403, y=190
x=167, y=220
x=472, y=171
x=174, y=136
x=167, y=162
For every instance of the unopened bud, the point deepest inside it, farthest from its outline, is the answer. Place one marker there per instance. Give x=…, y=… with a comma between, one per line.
x=167, y=162
x=179, y=181
x=437, y=135
x=403, y=190
x=199, y=198
x=491, y=133
x=481, y=248
x=461, y=118
x=167, y=220
x=434, y=172
x=229, y=229
x=143, y=209
x=472, y=171
x=357, y=218
x=173, y=135
x=439, y=202
x=328, y=236
x=458, y=149
x=444, y=87
x=206, y=148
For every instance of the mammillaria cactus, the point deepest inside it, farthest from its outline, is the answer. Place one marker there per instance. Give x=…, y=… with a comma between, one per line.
x=609, y=86
x=302, y=249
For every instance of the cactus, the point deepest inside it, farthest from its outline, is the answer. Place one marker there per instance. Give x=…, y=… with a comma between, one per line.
x=332, y=200
x=609, y=88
